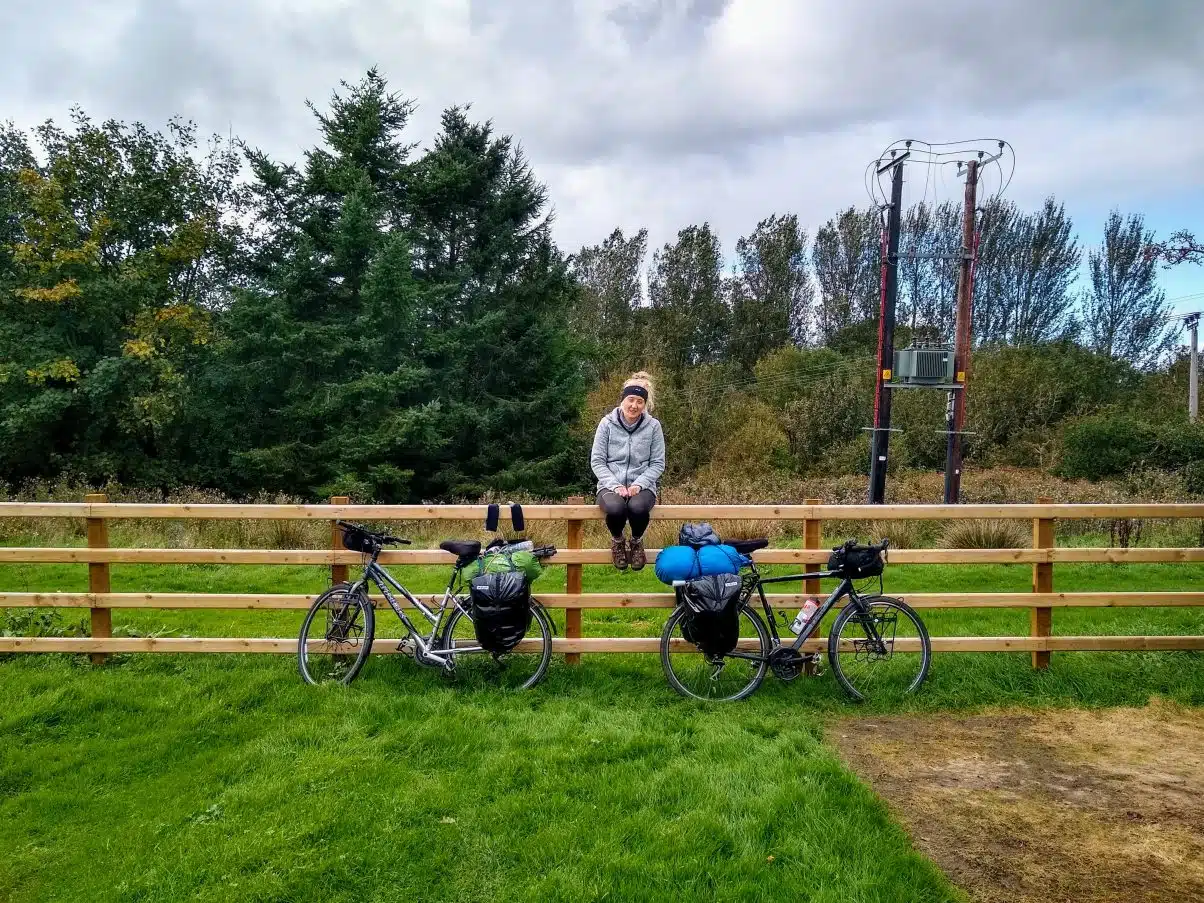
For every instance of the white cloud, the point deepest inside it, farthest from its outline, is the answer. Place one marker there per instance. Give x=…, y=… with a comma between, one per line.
x=667, y=112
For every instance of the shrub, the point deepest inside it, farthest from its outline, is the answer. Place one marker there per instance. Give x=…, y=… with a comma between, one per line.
x=985, y=534
x=1106, y=446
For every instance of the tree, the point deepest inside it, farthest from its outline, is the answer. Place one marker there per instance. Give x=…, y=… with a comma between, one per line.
x=930, y=244
x=1182, y=247
x=847, y=258
x=117, y=251
x=319, y=374
x=771, y=291
x=405, y=335
x=1125, y=314
x=1027, y=265
x=689, y=318
x=609, y=276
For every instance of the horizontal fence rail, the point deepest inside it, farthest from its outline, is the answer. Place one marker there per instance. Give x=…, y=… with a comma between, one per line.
x=97, y=511
x=124, y=510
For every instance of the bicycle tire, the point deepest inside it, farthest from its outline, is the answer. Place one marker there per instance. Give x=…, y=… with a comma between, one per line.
x=675, y=682
x=848, y=613
x=538, y=616
x=363, y=605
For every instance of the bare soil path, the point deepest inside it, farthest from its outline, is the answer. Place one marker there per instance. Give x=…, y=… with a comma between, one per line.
x=1070, y=805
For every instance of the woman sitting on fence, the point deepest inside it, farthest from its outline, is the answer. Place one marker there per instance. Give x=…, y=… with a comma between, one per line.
x=628, y=458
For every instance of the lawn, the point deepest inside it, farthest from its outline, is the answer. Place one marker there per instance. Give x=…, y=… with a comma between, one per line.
x=223, y=778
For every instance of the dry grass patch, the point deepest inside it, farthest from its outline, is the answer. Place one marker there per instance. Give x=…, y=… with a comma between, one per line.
x=1103, y=805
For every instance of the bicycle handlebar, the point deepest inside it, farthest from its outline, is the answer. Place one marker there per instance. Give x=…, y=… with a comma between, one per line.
x=384, y=539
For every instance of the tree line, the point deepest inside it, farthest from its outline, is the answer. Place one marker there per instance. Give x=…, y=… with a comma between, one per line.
x=395, y=322
x=683, y=306
x=372, y=321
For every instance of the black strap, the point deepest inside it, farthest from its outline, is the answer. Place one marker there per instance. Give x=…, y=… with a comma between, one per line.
x=492, y=517
x=516, y=518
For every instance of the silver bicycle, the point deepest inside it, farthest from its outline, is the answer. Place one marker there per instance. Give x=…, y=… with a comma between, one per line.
x=339, y=628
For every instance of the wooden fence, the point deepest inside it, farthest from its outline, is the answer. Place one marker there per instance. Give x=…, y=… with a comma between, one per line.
x=1042, y=555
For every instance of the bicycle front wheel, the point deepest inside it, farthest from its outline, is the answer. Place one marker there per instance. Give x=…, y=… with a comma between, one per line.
x=336, y=636
x=880, y=650
x=520, y=669
x=725, y=678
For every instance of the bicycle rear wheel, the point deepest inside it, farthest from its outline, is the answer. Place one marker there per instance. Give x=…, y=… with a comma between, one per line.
x=891, y=666
x=336, y=636
x=725, y=678
x=520, y=669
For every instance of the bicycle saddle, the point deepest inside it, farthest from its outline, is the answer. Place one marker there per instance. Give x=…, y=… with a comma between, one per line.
x=748, y=546
x=461, y=548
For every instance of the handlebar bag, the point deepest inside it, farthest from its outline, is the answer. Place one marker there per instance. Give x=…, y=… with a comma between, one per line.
x=856, y=562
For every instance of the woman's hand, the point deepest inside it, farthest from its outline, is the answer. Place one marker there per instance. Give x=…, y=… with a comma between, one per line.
x=633, y=489
x=622, y=491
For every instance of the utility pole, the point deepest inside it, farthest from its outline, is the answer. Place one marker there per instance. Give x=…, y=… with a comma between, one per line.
x=955, y=417
x=1193, y=372
x=880, y=437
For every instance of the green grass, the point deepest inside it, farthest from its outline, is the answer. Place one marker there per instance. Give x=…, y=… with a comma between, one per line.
x=223, y=778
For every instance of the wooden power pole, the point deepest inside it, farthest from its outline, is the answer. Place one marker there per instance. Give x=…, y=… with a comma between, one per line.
x=955, y=418
x=1193, y=372
x=880, y=436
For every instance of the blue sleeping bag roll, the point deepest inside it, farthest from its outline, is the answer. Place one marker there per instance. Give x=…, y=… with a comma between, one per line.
x=687, y=563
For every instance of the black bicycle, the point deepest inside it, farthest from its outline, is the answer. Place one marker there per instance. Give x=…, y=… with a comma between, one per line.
x=877, y=645
x=340, y=627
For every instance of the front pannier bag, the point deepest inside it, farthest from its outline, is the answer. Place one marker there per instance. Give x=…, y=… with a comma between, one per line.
x=856, y=562
x=501, y=609
x=713, y=606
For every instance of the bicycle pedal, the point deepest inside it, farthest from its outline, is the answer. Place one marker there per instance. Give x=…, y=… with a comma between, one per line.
x=406, y=647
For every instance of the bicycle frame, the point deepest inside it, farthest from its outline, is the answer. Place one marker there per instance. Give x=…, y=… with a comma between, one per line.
x=754, y=581
x=382, y=579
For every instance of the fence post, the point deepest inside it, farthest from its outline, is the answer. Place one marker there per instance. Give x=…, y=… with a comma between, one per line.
x=572, y=581
x=811, y=540
x=1041, y=617
x=98, y=574
x=338, y=572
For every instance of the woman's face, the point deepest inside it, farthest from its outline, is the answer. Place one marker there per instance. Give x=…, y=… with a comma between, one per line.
x=633, y=406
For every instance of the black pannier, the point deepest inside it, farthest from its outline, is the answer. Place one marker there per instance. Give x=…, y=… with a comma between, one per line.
x=856, y=562
x=712, y=622
x=501, y=609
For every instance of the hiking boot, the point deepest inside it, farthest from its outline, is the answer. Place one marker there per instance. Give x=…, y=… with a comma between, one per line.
x=618, y=553
x=635, y=551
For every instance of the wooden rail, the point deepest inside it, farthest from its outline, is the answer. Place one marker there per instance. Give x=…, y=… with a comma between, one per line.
x=1042, y=556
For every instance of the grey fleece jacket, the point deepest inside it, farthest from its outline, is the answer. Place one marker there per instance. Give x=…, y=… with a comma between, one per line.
x=620, y=458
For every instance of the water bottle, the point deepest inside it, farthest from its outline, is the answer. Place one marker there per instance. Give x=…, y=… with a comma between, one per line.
x=803, y=618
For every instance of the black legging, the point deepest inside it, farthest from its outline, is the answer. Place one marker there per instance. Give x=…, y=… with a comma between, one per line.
x=620, y=510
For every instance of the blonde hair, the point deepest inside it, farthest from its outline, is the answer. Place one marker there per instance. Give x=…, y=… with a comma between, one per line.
x=642, y=378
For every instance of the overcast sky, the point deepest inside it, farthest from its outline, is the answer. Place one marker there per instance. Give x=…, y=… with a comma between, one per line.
x=662, y=113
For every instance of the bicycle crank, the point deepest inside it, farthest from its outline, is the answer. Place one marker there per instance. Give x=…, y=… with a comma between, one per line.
x=787, y=663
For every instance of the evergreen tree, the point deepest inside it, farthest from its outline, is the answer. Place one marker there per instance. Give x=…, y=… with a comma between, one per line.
x=506, y=369
x=320, y=371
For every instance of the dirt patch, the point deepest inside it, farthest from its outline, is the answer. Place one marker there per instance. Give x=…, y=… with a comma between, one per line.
x=1051, y=806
